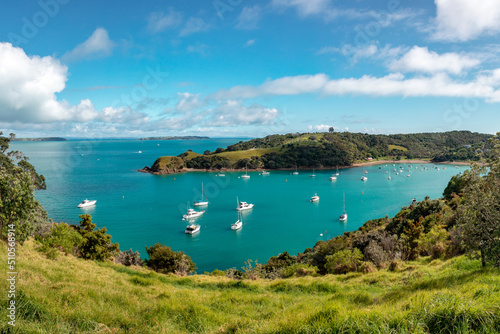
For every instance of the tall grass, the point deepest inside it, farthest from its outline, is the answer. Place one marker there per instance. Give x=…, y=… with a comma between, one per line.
x=70, y=295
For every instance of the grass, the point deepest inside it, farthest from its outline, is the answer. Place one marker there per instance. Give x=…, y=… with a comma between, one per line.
x=234, y=156
x=397, y=147
x=71, y=295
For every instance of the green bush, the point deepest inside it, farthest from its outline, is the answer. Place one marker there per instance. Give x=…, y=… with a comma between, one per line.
x=163, y=259
x=96, y=244
x=344, y=261
x=60, y=238
x=299, y=269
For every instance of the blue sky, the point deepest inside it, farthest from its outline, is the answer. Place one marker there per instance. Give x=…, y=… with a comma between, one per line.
x=232, y=68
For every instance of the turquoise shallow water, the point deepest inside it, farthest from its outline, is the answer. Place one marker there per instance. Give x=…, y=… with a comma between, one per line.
x=141, y=209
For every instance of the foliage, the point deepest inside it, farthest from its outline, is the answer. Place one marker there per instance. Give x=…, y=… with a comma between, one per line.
x=344, y=261
x=434, y=242
x=479, y=214
x=61, y=237
x=19, y=209
x=410, y=238
x=96, y=244
x=374, y=252
x=129, y=258
x=163, y=259
x=299, y=270
x=455, y=186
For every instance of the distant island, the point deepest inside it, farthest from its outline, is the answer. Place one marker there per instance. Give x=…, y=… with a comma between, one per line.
x=40, y=139
x=176, y=138
x=330, y=150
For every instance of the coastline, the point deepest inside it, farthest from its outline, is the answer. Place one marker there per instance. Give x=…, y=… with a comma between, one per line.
x=148, y=170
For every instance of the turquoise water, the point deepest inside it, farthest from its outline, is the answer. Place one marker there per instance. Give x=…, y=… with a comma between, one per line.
x=142, y=209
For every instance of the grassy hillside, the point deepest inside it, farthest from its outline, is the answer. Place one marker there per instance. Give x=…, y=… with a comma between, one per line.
x=72, y=295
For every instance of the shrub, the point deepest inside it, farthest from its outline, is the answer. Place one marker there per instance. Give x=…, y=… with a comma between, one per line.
x=434, y=242
x=375, y=253
x=61, y=237
x=367, y=267
x=129, y=258
x=395, y=265
x=344, y=261
x=163, y=259
x=234, y=273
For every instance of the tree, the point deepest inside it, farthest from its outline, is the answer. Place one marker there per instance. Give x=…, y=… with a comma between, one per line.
x=479, y=214
x=411, y=236
x=331, y=129
x=19, y=209
x=129, y=258
x=97, y=244
x=163, y=259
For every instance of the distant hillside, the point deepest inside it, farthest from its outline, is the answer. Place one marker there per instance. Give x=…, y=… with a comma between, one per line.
x=327, y=150
x=40, y=139
x=175, y=138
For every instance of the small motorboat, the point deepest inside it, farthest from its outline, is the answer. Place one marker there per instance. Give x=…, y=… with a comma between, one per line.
x=191, y=214
x=85, y=203
x=192, y=229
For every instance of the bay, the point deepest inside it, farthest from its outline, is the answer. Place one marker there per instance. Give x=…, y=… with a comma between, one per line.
x=140, y=209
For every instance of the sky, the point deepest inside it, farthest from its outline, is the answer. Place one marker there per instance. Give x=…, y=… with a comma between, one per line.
x=247, y=68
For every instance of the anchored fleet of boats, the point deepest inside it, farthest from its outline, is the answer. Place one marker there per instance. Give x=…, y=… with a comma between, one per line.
x=192, y=214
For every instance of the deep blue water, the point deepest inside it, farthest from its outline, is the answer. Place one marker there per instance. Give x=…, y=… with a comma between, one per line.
x=142, y=209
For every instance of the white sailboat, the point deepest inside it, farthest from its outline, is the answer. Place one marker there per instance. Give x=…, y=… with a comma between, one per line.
x=202, y=202
x=246, y=176
x=389, y=176
x=296, y=172
x=315, y=198
x=343, y=216
x=238, y=224
x=364, y=178
x=313, y=175
x=337, y=173
x=333, y=178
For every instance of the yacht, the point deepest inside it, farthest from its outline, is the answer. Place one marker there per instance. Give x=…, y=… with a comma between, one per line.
x=333, y=178
x=264, y=173
x=343, y=216
x=192, y=229
x=315, y=198
x=238, y=224
x=202, y=202
x=389, y=177
x=220, y=174
x=85, y=203
x=295, y=173
x=313, y=175
x=246, y=176
x=337, y=173
x=191, y=214
x=364, y=178
x=243, y=205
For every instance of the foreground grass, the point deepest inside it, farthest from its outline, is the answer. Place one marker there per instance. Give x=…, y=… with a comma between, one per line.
x=69, y=295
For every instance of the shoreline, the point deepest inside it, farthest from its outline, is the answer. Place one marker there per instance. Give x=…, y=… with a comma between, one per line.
x=147, y=170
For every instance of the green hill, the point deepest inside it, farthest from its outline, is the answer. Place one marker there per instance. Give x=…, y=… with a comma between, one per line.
x=71, y=295
x=327, y=150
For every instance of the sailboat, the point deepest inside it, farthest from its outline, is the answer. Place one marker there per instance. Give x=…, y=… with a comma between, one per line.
x=238, y=224
x=343, y=216
x=389, y=176
x=337, y=173
x=295, y=173
x=313, y=175
x=246, y=176
x=202, y=202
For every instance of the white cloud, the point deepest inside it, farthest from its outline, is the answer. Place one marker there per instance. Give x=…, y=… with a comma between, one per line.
x=320, y=128
x=250, y=42
x=96, y=46
x=123, y=115
x=232, y=113
x=283, y=86
x=420, y=59
x=159, y=21
x=303, y=7
x=199, y=48
x=188, y=102
x=370, y=51
x=249, y=18
x=28, y=86
x=194, y=25
x=462, y=20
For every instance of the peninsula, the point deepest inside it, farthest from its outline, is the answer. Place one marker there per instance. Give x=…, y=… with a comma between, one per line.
x=40, y=139
x=329, y=150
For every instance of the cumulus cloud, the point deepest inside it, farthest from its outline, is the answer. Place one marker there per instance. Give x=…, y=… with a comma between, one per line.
x=28, y=87
x=96, y=46
x=188, y=102
x=420, y=59
x=250, y=42
x=462, y=20
x=249, y=18
x=233, y=113
x=194, y=25
x=320, y=128
x=283, y=86
x=368, y=51
x=160, y=21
